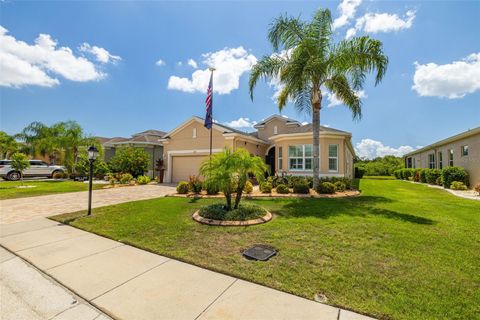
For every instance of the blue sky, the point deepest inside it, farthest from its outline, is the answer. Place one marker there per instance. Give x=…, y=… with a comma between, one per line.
x=96, y=63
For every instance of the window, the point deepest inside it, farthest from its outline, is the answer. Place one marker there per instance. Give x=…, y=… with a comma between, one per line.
x=440, y=160
x=275, y=130
x=464, y=151
x=409, y=162
x=431, y=161
x=450, y=157
x=280, y=158
x=194, y=133
x=300, y=157
x=332, y=157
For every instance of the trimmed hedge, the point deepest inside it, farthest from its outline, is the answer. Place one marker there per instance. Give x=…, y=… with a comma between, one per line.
x=450, y=174
x=326, y=188
x=301, y=187
x=282, y=189
x=182, y=187
x=265, y=187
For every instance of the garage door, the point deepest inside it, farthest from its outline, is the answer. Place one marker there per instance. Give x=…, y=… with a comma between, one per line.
x=185, y=166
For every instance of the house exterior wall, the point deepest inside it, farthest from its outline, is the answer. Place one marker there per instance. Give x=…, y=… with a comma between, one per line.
x=471, y=163
x=254, y=148
x=325, y=141
x=267, y=130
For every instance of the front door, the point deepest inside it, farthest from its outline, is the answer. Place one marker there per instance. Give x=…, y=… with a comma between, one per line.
x=270, y=160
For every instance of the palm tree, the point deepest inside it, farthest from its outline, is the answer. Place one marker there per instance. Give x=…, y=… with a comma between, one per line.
x=8, y=145
x=229, y=170
x=306, y=61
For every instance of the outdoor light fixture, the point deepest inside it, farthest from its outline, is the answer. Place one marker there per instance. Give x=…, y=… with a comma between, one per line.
x=92, y=156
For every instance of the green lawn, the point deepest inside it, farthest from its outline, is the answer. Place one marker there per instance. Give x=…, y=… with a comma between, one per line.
x=8, y=189
x=399, y=251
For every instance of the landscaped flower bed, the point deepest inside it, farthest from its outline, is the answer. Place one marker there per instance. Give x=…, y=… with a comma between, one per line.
x=246, y=214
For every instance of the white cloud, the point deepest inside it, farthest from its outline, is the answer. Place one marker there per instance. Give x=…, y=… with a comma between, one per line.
x=382, y=22
x=160, y=63
x=179, y=63
x=192, y=63
x=333, y=100
x=241, y=123
x=37, y=64
x=453, y=80
x=230, y=64
x=370, y=149
x=101, y=54
x=347, y=10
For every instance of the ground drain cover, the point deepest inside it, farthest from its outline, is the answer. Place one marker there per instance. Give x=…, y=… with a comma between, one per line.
x=260, y=252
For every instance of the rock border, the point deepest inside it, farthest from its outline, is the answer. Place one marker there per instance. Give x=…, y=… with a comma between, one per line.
x=350, y=193
x=231, y=223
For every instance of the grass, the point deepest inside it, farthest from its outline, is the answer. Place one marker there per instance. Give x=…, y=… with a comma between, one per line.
x=9, y=190
x=398, y=251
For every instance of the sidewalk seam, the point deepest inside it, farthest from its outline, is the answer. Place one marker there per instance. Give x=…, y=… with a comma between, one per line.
x=214, y=300
x=121, y=284
x=43, y=244
x=14, y=234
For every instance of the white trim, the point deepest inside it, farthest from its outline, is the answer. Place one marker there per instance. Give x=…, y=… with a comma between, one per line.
x=310, y=173
x=194, y=133
x=276, y=116
x=308, y=135
x=194, y=152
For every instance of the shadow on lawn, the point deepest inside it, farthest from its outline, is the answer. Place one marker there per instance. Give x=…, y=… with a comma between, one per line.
x=363, y=206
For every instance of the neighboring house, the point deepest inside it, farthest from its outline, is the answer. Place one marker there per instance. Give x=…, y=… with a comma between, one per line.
x=148, y=140
x=461, y=150
x=285, y=144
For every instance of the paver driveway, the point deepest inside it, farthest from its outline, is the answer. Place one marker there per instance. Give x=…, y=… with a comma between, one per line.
x=24, y=209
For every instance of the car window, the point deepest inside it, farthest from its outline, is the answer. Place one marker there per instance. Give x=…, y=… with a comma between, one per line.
x=5, y=162
x=36, y=163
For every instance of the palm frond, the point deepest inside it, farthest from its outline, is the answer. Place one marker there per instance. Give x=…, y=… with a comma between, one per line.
x=340, y=86
x=286, y=32
x=267, y=67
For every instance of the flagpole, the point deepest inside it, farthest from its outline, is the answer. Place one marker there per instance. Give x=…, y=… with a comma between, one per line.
x=211, y=127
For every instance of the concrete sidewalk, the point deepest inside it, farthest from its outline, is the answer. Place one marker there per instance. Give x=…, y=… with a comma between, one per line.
x=24, y=209
x=129, y=283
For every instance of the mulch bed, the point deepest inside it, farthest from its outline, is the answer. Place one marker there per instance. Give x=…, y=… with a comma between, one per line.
x=228, y=223
x=349, y=193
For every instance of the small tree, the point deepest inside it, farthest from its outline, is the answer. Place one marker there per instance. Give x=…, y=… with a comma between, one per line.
x=130, y=160
x=20, y=163
x=229, y=171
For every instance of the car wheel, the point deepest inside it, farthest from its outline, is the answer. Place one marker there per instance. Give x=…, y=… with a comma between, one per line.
x=14, y=176
x=55, y=172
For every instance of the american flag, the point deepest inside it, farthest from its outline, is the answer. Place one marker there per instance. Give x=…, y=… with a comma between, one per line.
x=208, y=103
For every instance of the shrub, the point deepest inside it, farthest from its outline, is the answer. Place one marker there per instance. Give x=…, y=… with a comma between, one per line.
x=477, y=188
x=423, y=175
x=248, y=187
x=195, y=184
x=210, y=187
x=265, y=187
x=143, y=179
x=326, y=187
x=245, y=211
x=340, y=186
x=408, y=173
x=458, y=185
x=450, y=174
x=293, y=180
x=359, y=172
x=431, y=175
x=396, y=173
x=125, y=178
x=301, y=187
x=130, y=160
x=100, y=169
x=416, y=176
x=439, y=181
x=182, y=187
x=283, y=189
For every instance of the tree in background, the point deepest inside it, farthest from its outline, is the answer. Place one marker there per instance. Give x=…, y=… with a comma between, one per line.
x=130, y=160
x=8, y=145
x=306, y=61
x=20, y=163
x=380, y=166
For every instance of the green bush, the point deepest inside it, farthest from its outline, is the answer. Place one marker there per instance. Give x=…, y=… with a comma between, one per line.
x=359, y=172
x=450, y=174
x=126, y=178
x=340, y=186
x=397, y=174
x=458, y=185
x=416, y=175
x=182, y=187
x=210, y=188
x=245, y=211
x=439, y=181
x=143, y=179
x=248, y=187
x=265, y=187
x=283, y=189
x=195, y=184
x=423, y=175
x=292, y=180
x=408, y=173
x=326, y=187
x=130, y=160
x=431, y=175
x=301, y=187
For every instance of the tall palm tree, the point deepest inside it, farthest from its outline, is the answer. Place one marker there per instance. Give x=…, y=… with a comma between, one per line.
x=307, y=60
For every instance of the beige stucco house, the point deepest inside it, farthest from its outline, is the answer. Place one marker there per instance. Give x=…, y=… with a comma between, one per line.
x=461, y=150
x=285, y=144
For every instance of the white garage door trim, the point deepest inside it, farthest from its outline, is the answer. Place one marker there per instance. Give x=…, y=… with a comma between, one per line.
x=197, y=152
